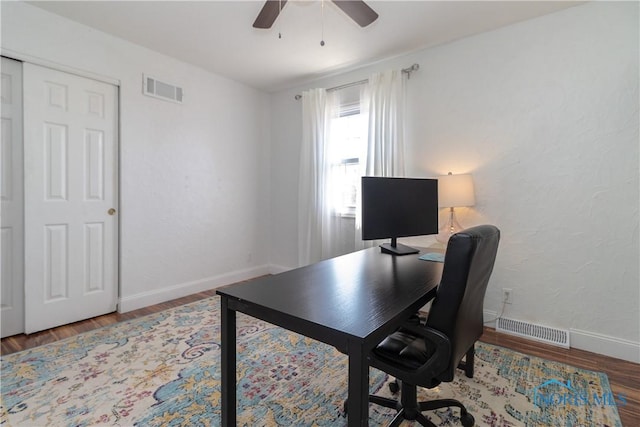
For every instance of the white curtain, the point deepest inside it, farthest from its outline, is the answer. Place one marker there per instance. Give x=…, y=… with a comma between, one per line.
x=317, y=225
x=384, y=101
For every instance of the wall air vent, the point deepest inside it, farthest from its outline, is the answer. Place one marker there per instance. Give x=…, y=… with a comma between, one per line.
x=559, y=337
x=158, y=89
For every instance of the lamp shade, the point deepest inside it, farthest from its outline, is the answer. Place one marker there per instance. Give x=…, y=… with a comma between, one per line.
x=455, y=191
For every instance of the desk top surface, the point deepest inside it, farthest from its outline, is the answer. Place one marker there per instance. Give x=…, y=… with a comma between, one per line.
x=356, y=294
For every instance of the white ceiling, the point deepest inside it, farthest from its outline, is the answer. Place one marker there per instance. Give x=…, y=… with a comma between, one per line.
x=218, y=35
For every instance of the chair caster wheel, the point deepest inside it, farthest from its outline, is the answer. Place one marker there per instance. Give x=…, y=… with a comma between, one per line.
x=467, y=420
x=394, y=387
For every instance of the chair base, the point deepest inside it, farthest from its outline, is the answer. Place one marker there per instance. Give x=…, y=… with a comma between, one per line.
x=413, y=412
x=410, y=409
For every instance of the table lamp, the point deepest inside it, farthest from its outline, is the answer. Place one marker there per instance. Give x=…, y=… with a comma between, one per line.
x=454, y=191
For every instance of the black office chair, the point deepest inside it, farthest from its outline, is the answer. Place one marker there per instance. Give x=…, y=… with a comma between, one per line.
x=425, y=355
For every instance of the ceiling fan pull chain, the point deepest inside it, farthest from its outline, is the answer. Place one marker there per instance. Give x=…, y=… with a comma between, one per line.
x=279, y=12
x=322, y=26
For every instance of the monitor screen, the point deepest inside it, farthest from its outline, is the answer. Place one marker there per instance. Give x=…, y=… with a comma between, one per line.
x=398, y=207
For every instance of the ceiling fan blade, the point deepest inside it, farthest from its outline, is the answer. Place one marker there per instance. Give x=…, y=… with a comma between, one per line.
x=357, y=10
x=269, y=13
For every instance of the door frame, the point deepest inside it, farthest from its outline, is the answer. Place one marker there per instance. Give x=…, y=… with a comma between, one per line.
x=23, y=57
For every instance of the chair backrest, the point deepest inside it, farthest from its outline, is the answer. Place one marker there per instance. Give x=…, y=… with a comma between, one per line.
x=457, y=308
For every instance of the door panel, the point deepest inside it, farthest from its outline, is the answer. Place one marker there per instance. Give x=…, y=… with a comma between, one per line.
x=70, y=188
x=11, y=194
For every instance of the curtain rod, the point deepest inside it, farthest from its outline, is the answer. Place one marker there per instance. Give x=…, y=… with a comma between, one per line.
x=407, y=71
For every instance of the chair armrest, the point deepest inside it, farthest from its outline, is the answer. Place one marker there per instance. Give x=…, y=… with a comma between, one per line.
x=440, y=358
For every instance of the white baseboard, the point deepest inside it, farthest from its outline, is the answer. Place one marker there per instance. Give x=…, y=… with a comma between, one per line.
x=157, y=296
x=590, y=341
x=604, y=344
x=277, y=269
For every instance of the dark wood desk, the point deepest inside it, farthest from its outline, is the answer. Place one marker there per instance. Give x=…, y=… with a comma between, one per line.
x=350, y=302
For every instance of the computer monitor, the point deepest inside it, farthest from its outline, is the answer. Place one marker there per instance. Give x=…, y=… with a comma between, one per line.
x=398, y=207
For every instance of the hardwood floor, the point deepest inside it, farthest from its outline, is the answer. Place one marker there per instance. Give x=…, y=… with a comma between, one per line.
x=624, y=376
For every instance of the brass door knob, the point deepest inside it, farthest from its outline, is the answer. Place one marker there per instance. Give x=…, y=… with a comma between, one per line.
x=111, y=211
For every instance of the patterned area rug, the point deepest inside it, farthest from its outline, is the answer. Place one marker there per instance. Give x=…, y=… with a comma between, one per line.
x=163, y=370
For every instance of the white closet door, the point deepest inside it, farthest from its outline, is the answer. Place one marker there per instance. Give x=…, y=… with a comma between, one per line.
x=11, y=194
x=71, y=229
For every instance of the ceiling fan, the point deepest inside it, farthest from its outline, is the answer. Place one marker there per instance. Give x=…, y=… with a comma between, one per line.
x=357, y=10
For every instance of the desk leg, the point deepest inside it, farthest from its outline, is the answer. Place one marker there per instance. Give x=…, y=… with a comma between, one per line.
x=228, y=374
x=358, y=398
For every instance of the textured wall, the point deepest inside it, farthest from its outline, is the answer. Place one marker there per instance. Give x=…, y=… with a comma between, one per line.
x=544, y=114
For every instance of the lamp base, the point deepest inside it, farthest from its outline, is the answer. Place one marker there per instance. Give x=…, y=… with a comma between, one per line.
x=450, y=228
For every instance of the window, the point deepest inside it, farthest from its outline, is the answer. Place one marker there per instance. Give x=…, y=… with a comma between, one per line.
x=347, y=143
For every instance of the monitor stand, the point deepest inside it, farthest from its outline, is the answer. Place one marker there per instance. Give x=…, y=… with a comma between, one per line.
x=395, y=248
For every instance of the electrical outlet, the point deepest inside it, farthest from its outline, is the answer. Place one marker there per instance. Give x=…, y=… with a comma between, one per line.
x=506, y=295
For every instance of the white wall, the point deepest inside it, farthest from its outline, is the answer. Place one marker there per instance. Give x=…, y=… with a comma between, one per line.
x=544, y=114
x=194, y=177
